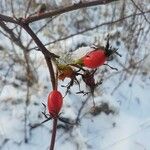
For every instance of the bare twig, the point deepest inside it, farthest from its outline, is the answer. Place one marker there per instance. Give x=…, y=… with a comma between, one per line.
x=48, y=55
x=68, y=9
x=80, y=110
x=51, y=19
x=5, y=75
x=8, y=19
x=113, y=68
x=29, y=78
x=38, y=42
x=39, y=124
x=56, y=12
x=28, y=7
x=140, y=11
x=12, y=35
x=5, y=34
x=12, y=8
x=92, y=28
x=26, y=112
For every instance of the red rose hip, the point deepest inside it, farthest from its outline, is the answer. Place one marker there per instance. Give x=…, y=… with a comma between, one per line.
x=94, y=59
x=55, y=101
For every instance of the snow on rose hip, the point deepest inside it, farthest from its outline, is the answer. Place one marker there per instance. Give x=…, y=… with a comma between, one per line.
x=55, y=101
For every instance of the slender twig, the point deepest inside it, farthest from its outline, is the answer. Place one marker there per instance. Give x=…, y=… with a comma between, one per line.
x=8, y=19
x=5, y=75
x=56, y=11
x=38, y=41
x=39, y=124
x=113, y=68
x=12, y=35
x=29, y=76
x=48, y=55
x=53, y=134
x=80, y=110
x=68, y=9
x=140, y=11
x=26, y=113
x=12, y=8
x=93, y=28
x=64, y=120
x=28, y=72
x=28, y=7
x=40, y=29
x=5, y=34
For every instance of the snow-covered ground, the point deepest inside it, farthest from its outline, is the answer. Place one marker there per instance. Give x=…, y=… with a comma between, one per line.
x=126, y=129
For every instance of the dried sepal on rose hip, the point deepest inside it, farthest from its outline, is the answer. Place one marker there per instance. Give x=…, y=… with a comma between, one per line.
x=65, y=71
x=55, y=102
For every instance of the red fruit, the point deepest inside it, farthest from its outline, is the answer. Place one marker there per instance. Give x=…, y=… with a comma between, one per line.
x=55, y=101
x=94, y=59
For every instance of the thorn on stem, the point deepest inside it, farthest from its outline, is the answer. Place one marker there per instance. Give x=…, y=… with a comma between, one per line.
x=111, y=67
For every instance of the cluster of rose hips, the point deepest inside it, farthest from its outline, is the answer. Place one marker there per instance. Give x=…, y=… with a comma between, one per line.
x=92, y=60
x=87, y=66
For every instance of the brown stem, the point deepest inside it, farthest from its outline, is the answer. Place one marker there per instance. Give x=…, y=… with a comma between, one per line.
x=48, y=55
x=37, y=41
x=68, y=9
x=52, y=74
x=53, y=134
x=57, y=11
x=26, y=113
